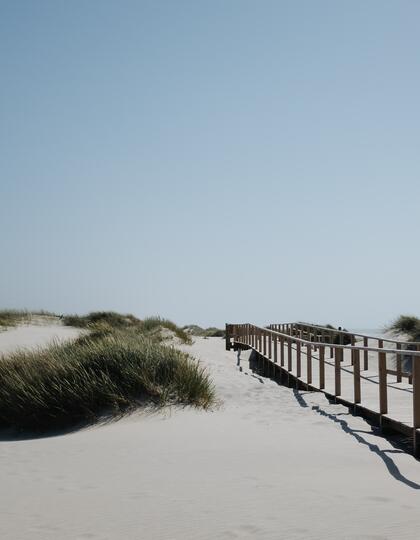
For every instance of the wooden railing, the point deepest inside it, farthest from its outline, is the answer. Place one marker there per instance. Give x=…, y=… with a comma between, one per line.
x=324, y=334
x=282, y=346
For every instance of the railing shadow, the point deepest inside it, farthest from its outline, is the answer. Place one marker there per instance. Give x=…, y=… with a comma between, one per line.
x=382, y=454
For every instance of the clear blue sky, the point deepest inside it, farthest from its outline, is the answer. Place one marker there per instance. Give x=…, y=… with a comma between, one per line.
x=211, y=161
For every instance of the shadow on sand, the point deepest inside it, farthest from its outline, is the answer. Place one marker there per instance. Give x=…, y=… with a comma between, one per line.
x=382, y=454
x=13, y=435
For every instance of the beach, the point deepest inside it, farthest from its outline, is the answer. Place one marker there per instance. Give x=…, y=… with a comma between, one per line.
x=266, y=462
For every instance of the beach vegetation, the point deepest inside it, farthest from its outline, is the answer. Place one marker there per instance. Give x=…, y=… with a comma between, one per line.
x=103, y=374
x=212, y=331
x=13, y=317
x=407, y=324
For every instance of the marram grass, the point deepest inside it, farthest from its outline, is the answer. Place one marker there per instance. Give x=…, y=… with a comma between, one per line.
x=408, y=324
x=150, y=325
x=12, y=317
x=105, y=374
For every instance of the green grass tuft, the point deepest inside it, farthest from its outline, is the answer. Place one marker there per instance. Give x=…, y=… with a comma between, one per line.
x=111, y=318
x=195, y=330
x=105, y=373
x=12, y=317
x=408, y=324
x=153, y=324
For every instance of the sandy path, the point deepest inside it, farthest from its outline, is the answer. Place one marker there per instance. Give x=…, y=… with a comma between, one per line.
x=266, y=465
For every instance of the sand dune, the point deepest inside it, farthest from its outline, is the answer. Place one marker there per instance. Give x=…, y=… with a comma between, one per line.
x=270, y=463
x=34, y=335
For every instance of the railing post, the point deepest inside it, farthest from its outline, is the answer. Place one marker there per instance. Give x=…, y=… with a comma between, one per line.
x=322, y=367
x=365, y=354
x=399, y=364
x=337, y=371
x=309, y=364
x=264, y=337
x=356, y=375
x=298, y=359
x=282, y=351
x=289, y=355
x=275, y=348
x=416, y=403
x=383, y=397
x=227, y=336
x=270, y=338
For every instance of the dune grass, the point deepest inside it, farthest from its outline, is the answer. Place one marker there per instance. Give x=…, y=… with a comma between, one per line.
x=103, y=374
x=212, y=331
x=12, y=317
x=408, y=324
x=151, y=325
x=113, y=319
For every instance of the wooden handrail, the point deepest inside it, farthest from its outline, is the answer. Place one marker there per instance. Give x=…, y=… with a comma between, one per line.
x=405, y=352
x=265, y=341
x=347, y=332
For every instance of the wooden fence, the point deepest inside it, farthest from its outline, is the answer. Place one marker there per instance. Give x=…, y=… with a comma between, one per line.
x=281, y=347
x=312, y=332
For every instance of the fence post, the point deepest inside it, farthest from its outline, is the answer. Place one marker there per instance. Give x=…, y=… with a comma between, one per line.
x=399, y=364
x=270, y=338
x=365, y=354
x=416, y=403
x=275, y=348
x=321, y=367
x=227, y=336
x=337, y=371
x=282, y=351
x=383, y=397
x=298, y=359
x=289, y=355
x=309, y=364
x=356, y=375
x=264, y=337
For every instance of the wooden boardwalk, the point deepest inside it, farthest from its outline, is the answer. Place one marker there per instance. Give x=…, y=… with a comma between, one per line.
x=377, y=378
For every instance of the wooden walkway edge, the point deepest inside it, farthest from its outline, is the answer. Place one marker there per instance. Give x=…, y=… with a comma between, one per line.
x=366, y=373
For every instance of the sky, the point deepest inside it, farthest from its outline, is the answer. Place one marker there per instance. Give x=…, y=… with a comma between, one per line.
x=211, y=161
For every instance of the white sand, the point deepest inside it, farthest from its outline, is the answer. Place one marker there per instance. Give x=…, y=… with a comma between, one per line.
x=35, y=335
x=263, y=466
